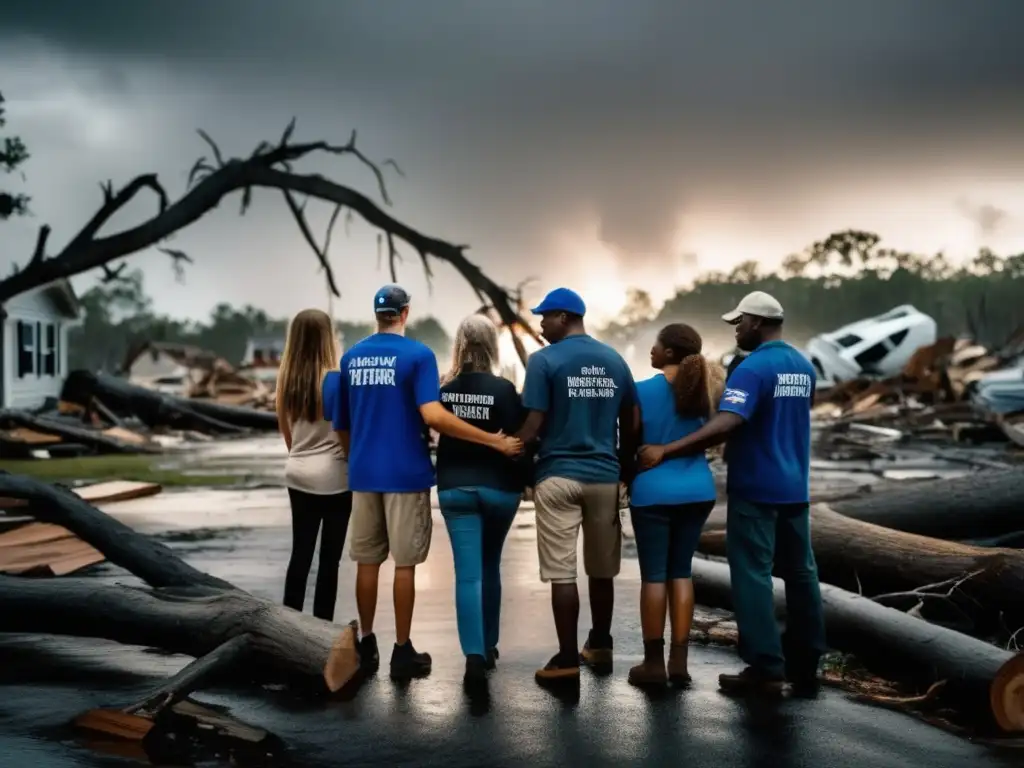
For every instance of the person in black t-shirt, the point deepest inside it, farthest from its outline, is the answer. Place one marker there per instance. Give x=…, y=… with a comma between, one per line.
x=479, y=490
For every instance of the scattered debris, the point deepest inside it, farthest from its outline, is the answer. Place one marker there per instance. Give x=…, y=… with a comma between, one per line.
x=953, y=391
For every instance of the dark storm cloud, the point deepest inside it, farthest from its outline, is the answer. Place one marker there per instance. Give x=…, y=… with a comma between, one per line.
x=513, y=117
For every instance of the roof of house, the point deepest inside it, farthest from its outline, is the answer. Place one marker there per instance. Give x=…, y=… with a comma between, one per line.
x=184, y=354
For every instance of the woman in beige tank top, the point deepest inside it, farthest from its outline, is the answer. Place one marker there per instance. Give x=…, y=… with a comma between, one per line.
x=316, y=472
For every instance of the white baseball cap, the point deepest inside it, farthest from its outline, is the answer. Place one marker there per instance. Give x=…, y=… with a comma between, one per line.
x=759, y=304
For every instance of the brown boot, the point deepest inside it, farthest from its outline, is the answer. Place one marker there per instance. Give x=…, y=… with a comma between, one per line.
x=651, y=672
x=678, y=674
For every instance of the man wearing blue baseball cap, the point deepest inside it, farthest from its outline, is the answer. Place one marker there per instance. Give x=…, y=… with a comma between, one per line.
x=389, y=395
x=580, y=396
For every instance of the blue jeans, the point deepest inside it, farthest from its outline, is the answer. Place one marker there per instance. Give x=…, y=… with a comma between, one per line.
x=478, y=520
x=759, y=535
x=666, y=538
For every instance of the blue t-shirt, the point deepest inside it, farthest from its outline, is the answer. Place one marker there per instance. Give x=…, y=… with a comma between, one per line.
x=770, y=454
x=579, y=384
x=384, y=380
x=683, y=480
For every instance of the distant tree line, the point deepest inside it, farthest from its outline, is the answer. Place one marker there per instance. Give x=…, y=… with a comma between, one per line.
x=120, y=313
x=849, y=276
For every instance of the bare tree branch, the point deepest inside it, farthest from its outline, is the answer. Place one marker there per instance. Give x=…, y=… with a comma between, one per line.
x=268, y=167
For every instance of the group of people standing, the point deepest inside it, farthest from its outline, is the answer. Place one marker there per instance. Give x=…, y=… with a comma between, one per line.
x=581, y=434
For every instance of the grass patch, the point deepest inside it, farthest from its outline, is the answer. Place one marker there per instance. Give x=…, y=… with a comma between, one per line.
x=143, y=469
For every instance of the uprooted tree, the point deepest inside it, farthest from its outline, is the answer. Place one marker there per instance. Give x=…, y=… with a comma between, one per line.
x=270, y=166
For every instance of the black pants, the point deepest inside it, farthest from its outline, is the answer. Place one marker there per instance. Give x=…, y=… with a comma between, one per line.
x=309, y=511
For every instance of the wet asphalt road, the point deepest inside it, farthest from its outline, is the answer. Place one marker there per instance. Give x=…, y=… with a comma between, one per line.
x=45, y=682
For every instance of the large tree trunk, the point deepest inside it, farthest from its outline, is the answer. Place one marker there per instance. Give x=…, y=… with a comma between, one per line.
x=980, y=505
x=979, y=677
x=248, y=418
x=156, y=409
x=873, y=560
x=185, y=610
x=73, y=433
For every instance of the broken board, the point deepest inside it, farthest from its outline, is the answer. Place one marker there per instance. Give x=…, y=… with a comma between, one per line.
x=102, y=493
x=42, y=549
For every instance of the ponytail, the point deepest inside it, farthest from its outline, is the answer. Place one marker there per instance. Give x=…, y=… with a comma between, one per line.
x=692, y=388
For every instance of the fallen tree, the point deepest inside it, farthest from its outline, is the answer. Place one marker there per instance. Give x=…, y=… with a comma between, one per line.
x=73, y=433
x=874, y=561
x=979, y=677
x=182, y=610
x=158, y=410
x=980, y=505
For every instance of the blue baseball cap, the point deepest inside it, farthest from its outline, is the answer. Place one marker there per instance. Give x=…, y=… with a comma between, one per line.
x=561, y=300
x=390, y=300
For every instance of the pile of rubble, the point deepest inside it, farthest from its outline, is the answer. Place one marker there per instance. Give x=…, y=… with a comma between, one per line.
x=187, y=371
x=951, y=391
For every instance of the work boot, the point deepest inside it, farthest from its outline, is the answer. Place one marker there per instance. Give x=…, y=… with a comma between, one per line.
x=651, y=671
x=678, y=673
x=597, y=651
x=752, y=680
x=559, y=669
x=475, y=678
x=369, y=656
x=492, y=657
x=407, y=662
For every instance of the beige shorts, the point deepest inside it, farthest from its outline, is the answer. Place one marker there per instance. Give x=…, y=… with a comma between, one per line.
x=397, y=522
x=562, y=506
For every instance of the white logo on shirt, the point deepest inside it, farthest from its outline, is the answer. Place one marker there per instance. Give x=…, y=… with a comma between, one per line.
x=735, y=396
x=593, y=381
x=372, y=370
x=792, y=385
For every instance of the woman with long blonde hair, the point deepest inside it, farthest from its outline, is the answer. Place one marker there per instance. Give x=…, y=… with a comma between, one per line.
x=479, y=490
x=670, y=502
x=316, y=472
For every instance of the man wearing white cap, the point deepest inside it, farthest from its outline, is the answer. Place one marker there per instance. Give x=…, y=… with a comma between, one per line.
x=765, y=412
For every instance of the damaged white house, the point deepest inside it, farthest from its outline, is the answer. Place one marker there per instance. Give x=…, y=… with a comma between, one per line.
x=877, y=346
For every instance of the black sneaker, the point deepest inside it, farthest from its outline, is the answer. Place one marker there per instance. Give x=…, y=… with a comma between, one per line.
x=407, y=662
x=492, y=658
x=476, y=672
x=805, y=687
x=752, y=680
x=369, y=656
x=597, y=651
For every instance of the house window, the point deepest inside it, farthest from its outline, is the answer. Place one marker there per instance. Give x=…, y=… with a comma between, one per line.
x=26, y=349
x=50, y=350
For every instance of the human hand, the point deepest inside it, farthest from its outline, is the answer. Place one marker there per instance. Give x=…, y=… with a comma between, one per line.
x=651, y=455
x=508, y=445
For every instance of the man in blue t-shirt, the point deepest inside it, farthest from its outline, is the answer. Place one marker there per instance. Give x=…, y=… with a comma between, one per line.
x=765, y=412
x=580, y=396
x=389, y=394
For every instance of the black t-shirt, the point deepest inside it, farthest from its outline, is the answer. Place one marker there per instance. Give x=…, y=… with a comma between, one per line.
x=492, y=404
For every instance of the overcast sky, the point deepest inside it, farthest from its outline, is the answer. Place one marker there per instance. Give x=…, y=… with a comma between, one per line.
x=593, y=143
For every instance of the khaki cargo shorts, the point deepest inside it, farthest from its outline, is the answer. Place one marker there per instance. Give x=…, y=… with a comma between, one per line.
x=562, y=507
x=399, y=523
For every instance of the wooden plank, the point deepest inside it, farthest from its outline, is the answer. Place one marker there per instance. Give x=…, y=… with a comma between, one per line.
x=117, y=490
x=30, y=436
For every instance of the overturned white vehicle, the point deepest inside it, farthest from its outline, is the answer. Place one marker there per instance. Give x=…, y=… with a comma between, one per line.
x=878, y=346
